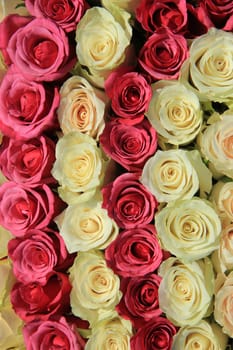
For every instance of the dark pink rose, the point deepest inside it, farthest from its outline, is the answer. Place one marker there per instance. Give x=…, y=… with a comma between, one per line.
x=27, y=108
x=198, y=21
x=41, y=51
x=130, y=96
x=28, y=162
x=163, y=54
x=33, y=301
x=128, y=202
x=220, y=13
x=156, y=334
x=37, y=255
x=135, y=252
x=140, y=301
x=65, y=13
x=55, y=334
x=23, y=209
x=171, y=14
x=129, y=145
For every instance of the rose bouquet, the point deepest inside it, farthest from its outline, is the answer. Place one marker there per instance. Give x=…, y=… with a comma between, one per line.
x=116, y=162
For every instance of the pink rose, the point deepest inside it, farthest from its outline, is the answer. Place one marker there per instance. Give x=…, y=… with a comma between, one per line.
x=135, y=252
x=198, y=21
x=27, y=108
x=52, y=334
x=33, y=301
x=23, y=209
x=163, y=54
x=28, y=162
x=128, y=202
x=41, y=51
x=65, y=13
x=129, y=145
x=220, y=12
x=140, y=301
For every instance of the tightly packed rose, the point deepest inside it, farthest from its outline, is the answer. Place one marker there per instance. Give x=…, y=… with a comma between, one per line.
x=135, y=252
x=52, y=333
x=11, y=329
x=82, y=107
x=129, y=145
x=5, y=236
x=27, y=108
x=79, y=167
x=208, y=71
x=155, y=334
x=128, y=202
x=222, y=198
x=127, y=5
x=7, y=8
x=220, y=13
x=23, y=209
x=175, y=112
x=7, y=281
x=28, y=162
x=186, y=290
x=189, y=229
x=222, y=258
x=95, y=288
x=162, y=55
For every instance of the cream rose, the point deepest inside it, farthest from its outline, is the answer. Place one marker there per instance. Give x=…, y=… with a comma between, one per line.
x=127, y=5
x=222, y=258
x=79, y=167
x=222, y=198
x=86, y=226
x=169, y=175
x=9, y=7
x=175, y=113
x=209, y=67
x=95, y=288
x=10, y=330
x=7, y=281
x=190, y=229
x=5, y=236
x=185, y=292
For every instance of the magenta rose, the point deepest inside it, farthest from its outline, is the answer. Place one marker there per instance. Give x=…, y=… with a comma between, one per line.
x=52, y=334
x=140, y=301
x=23, y=209
x=220, y=12
x=156, y=334
x=129, y=145
x=135, y=252
x=41, y=51
x=65, y=13
x=128, y=202
x=28, y=162
x=171, y=14
x=36, y=256
x=33, y=301
x=198, y=21
x=163, y=54
x=27, y=108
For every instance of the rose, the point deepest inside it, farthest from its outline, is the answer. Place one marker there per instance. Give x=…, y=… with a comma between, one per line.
x=22, y=209
x=7, y=281
x=82, y=107
x=175, y=112
x=222, y=197
x=52, y=334
x=95, y=288
x=27, y=108
x=155, y=334
x=127, y=5
x=170, y=14
x=129, y=145
x=40, y=51
x=220, y=12
x=135, y=252
x=170, y=175
x=28, y=162
x=198, y=21
x=5, y=236
x=186, y=290
x=7, y=8
x=222, y=258
x=65, y=13
x=163, y=54
x=3, y=67
x=128, y=202
x=140, y=301
x=11, y=330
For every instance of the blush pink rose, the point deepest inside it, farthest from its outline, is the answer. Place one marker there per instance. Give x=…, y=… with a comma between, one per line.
x=128, y=202
x=41, y=51
x=129, y=145
x=135, y=252
x=220, y=13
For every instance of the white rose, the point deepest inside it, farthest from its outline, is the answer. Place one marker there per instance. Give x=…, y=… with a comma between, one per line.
x=222, y=258
x=222, y=198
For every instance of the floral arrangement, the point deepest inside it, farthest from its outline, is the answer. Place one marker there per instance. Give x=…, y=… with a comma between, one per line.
x=116, y=164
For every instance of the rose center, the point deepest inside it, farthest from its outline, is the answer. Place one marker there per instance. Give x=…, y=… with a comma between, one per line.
x=45, y=53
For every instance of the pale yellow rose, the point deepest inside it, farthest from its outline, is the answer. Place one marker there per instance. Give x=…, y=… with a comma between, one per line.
x=82, y=107
x=95, y=288
x=208, y=71
x=222, y=258
x=127, y=5
x=175, y=112
x=3, y=69
x=7, y=281
x=202, y=336
x=79, y=167
x=10, y=330
x=5, y=236
x=222, y=198
x=190, y=229
x=186, y=290
x=86, y=226
x=8, y=7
